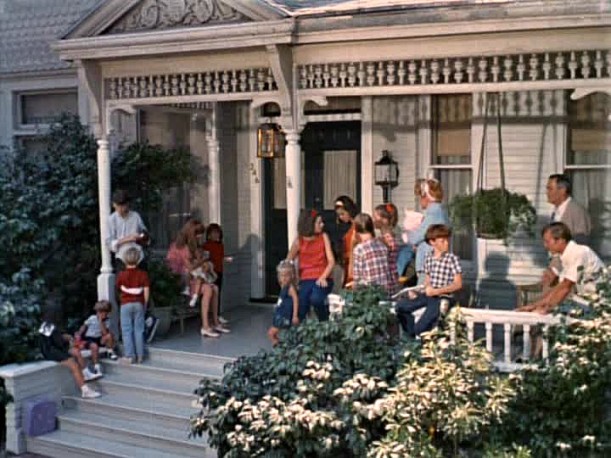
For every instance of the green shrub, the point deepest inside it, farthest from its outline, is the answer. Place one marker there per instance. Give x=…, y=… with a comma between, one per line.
x=167, y=286
x=563, y=405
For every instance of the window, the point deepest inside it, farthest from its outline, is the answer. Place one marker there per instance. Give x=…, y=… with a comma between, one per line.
x=46, y=107
x=588, y=162
x=451, y=155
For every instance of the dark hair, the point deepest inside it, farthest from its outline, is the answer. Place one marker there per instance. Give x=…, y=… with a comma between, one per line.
x=363, y=224
x=388, y=211
x=305, y=224
x=562, y=181
x=214, y=227
x=437, y=231
x=120, y=197
x=558, y=230
x=347, y=204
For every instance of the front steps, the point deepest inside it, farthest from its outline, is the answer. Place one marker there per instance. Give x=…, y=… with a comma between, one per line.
x=144, y=411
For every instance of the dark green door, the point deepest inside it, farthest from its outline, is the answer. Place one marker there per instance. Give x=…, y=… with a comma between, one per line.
x=331, y=161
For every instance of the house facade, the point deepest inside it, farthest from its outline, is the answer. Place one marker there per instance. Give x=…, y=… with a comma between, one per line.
x=445, y=86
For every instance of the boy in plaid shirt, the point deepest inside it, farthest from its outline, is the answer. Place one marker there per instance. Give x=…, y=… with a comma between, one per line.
x=443, y=278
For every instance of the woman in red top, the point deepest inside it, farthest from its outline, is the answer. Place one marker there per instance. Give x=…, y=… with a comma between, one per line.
x=316, y=261
x=346, y=210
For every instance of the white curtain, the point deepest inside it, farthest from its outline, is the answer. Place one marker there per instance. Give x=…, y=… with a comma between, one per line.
x=339, y=175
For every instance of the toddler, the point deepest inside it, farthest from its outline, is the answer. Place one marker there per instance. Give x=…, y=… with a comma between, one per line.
x=94, y=334
x=134, y=286
x=287, y=308
x=202, y=273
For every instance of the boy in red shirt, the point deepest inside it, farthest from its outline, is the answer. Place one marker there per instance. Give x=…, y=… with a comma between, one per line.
x=134, y=287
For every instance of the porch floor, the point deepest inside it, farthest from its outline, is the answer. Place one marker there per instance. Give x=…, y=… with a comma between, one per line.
x=248, y=323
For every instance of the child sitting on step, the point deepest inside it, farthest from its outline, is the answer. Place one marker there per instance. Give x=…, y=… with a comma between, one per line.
x=94, y=334
x=55, y=346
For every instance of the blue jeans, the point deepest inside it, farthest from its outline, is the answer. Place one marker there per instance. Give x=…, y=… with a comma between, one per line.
x=427, y=321
x=312, y=295
x=132, y=329
x=405, y=256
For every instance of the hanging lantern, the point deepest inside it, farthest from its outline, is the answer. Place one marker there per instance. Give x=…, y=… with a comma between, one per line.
x=386, y=174
x=270, y=141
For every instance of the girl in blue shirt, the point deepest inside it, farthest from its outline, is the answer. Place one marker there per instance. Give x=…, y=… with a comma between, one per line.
x=287, y=308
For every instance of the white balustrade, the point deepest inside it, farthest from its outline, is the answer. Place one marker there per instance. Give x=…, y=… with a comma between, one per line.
x=557, y=66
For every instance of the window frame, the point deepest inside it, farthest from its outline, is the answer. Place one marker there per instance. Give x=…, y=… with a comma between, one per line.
x=22, y=128
x=432, y=169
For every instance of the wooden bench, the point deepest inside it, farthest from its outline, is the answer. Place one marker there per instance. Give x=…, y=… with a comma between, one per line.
x=183, y=312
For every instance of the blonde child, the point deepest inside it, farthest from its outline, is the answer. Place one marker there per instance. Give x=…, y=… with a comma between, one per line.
x=134, y=286
x=287, y=308
x=94, y=333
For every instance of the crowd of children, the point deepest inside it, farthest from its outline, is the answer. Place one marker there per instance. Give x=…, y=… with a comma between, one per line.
x=374, y=252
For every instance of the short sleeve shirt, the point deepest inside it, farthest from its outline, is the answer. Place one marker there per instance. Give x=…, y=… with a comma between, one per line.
x=579, y=265
x=441, y=271
x=131, y=284
x=371, y=265
x=93, y=327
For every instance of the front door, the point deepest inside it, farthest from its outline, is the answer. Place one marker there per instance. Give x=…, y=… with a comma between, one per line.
x=331, y=166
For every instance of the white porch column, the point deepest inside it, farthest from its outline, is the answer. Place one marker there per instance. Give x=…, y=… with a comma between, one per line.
x=293, y=183
x=214, y=162
x=106, y=279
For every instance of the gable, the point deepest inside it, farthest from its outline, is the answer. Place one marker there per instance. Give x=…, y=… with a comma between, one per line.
x=171, y=14
x=114, y=17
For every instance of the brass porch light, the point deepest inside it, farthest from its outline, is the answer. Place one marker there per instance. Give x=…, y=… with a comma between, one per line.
x=270, y=141
x=386, y=174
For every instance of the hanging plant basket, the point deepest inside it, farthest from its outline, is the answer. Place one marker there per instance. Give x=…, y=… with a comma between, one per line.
x=493, y=213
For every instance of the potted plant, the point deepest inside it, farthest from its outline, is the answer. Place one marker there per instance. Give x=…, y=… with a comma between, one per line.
x=166, y=287
x=494, y=213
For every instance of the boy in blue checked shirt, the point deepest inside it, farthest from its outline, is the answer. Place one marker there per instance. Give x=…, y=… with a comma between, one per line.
x=443, y=278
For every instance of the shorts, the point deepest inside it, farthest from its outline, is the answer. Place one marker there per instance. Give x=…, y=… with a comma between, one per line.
x=89, y=340
x=57, y=355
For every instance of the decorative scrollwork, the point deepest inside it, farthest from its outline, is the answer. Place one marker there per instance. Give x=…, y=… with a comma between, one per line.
x=165, y=14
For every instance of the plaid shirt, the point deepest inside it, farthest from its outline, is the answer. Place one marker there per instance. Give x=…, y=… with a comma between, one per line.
x=441, y=271
x=371, y=265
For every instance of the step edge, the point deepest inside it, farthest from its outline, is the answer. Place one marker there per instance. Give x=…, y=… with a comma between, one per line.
x=145, y=367
x=107, y=382
x=75, y=448
x=126, y=408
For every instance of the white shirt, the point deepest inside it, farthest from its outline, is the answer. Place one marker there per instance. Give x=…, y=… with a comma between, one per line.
x=579, y=265
x=559, y=210
x=119, y=227
x=93, y=327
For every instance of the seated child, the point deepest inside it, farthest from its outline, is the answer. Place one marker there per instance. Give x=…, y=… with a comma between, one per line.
x=287, y=308
x=443, y=278
x=94, y=333
x=203, y=273
x=55, y=346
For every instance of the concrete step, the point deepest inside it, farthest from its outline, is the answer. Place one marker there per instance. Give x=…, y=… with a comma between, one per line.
x=68, y=444
x=146, y=395
x=208, y=365
x=146, y=434
x=153, y=377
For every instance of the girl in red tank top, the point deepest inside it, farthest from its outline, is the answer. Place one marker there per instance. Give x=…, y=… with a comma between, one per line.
x=316, y=261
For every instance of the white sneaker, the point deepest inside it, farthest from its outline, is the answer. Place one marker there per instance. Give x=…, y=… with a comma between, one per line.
x=186, y=291
x=193, y=301
x=112, y=355
x=89, y=393
x=98, y=369
x=89, y=376
x=209, y=333
x=223, y=320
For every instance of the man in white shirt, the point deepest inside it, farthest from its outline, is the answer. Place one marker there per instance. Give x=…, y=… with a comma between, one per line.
x=580, y=264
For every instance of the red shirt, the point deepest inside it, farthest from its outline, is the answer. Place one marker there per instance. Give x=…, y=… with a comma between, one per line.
x=312, y=258
x=217, y=254
x=135, y=279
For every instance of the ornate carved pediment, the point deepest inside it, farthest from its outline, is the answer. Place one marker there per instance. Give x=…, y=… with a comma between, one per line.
x=168, y=14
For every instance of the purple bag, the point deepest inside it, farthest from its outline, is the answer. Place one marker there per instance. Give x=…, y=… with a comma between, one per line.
x=39, y=416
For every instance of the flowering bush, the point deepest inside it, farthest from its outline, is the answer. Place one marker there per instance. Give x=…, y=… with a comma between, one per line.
x=332, y=389
x=563, y=404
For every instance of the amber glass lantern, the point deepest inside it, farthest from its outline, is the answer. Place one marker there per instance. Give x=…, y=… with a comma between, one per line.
x=270, y=141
